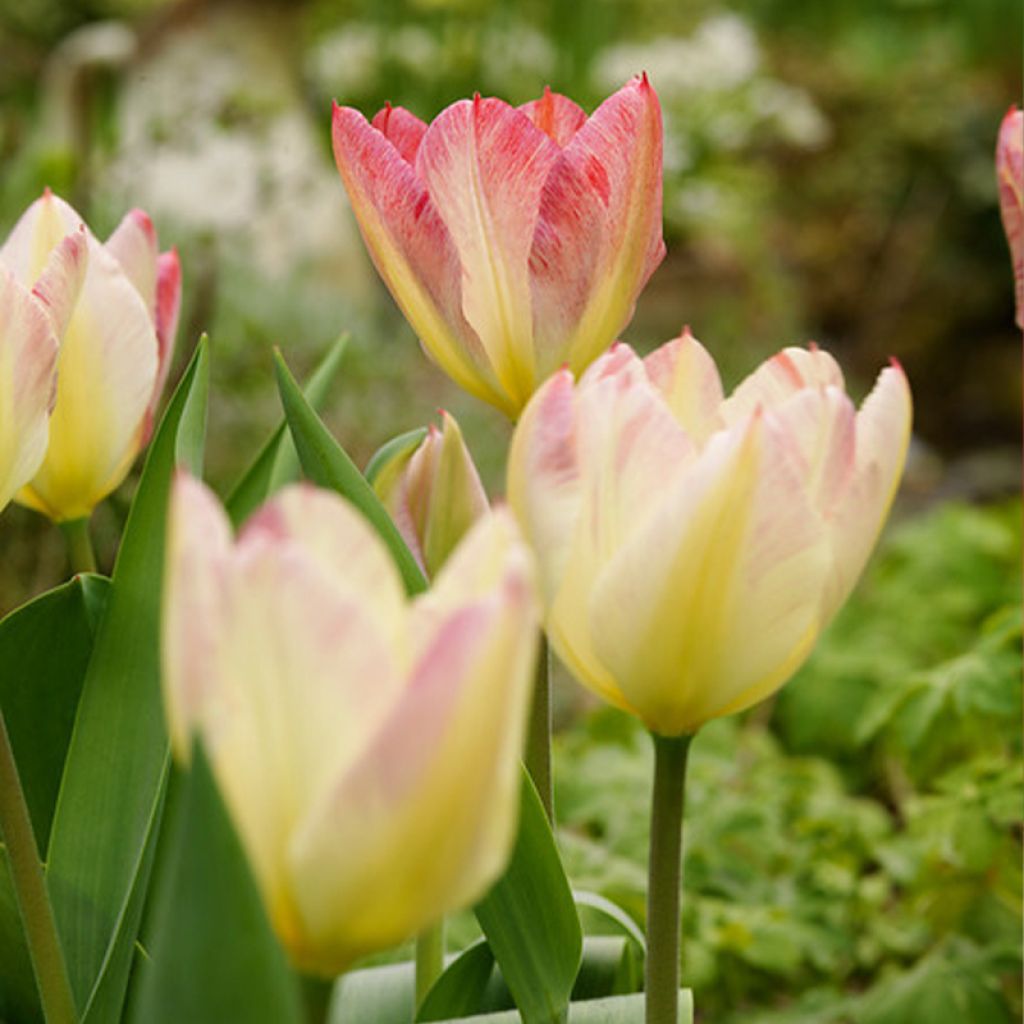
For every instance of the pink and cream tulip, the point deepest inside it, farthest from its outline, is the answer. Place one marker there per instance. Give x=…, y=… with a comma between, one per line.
x=433, y=493
x=1010, y=172
x=691, y=547
x=32, y=323
x=114, y=356
x=367, y=746
x=514, y=239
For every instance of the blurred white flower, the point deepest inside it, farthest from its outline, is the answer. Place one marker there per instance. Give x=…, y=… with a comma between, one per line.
x=347, y=60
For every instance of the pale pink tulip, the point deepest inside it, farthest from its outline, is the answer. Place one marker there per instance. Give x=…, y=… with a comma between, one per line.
x=692, y=547
x=1010, y=172
x=513, y=239
x=114, y=356
x=31, y=326
x=367, y=746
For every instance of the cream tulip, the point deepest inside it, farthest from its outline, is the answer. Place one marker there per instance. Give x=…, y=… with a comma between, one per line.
x=114, y=356
x=691, y=547
x=367, y=746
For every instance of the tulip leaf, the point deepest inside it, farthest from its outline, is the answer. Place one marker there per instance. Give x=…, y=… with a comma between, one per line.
x=610, y=967
x=614, y=1010
x=212, y=954
x=41, y=684
x=39, y=691
x=402, y=445
x=111, y=792
x=278, y=463
x=375, y=995
x=612, y=912
x=530, y=920
x=460, y=989
x=327, y=464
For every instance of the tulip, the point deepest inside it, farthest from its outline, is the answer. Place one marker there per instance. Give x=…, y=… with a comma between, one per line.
x=513, y=239
x=433, y=493
x=692, y=547
x=31, y=325
x=1010, y=172
x=114, y=357
x=367, y=747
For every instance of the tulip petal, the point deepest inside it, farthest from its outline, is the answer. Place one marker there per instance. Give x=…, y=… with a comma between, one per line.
x=39, y=229
x=435, y=793
x=556, y=115
x=1010, y=172
x=779, y=378
x=335, y=537
x=411, y=249
x=168, y=308
x=485, y=164
x=686, y=376
x=713, y=601
x=60, y=282
x=194, y=605
x=606, y=186
x=402, y=129
x=28, y=359
x=882, y=438
x=133, y=244
x=106, y=372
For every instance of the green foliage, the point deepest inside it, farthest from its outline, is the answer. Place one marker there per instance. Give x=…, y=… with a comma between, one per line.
x=875, y=865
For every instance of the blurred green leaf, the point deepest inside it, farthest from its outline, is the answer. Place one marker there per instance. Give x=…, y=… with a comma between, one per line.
x=530, y=919
x=278, y=462
x=112, y=788
x=376, y=995
x=41, y=684
x=327, y=464
x=460, y=989
x=614, y=1010
x=212, y=957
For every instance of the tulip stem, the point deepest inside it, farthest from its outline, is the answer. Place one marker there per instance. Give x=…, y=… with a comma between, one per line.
x=30, y=892
x=80, y=551
x=316, y=997
x=538, y=740
x=429, y=959
x=663, y=879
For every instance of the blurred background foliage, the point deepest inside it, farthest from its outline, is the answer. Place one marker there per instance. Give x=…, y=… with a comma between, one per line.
x=854, y=847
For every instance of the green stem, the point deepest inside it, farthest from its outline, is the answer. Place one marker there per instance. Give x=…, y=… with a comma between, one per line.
x=316, y=997
x=30, y=892
x=663, y=879
x=538, y=738
x=429, y=959
x=80, y=552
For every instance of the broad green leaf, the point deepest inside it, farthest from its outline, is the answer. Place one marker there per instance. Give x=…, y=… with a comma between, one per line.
x=610, y=966
x=530, y=919
x=19, y=1001
x=41, y=683
x=114, y=776
x=614, y=1010
x=278, y=463
x=403, y=444
x=212, y=955
x=460, y=989
x=326, y=463
x=376, y=995
x=604, y=909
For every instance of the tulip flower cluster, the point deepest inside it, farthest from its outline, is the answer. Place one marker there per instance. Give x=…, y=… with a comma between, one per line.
x=683, y=549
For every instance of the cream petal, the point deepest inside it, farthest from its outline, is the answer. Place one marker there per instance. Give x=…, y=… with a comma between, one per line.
x=685, y=375
x=713, y=601
x=33, y=237
x=882, y=438
x=133, y=244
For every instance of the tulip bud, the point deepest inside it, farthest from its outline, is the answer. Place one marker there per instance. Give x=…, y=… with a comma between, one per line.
x=433, y=493
x=367, y=746
x=691, y=547
x=1010, y=171
x=31, y=324
x=114, y=355
x=513, y=239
